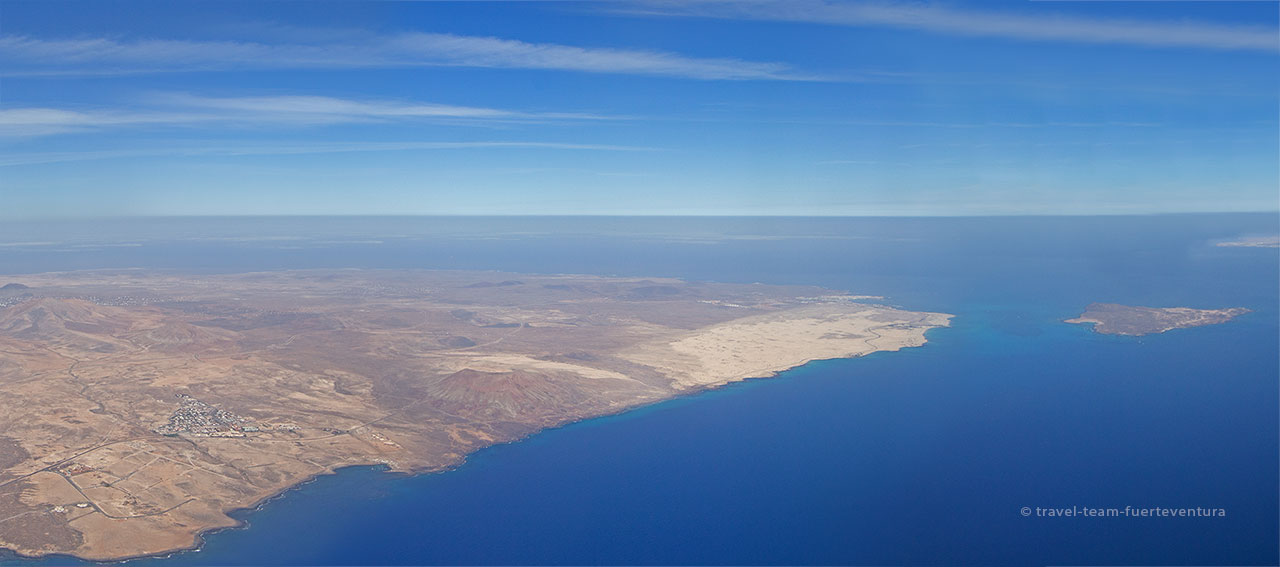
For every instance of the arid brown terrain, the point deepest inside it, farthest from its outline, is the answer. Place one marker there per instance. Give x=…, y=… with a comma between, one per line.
x=138, y=408
x=1114, y=319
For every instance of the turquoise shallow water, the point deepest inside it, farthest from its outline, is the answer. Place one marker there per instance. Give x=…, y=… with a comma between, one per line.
x=924, y=456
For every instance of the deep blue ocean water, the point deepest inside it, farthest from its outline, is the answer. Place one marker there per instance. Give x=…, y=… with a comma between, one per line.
x=924, y=456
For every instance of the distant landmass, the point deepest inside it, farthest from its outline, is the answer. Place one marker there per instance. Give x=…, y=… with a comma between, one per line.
x=13, y=287
x=139, y=408
x=1253, y=242
x=1114, y=319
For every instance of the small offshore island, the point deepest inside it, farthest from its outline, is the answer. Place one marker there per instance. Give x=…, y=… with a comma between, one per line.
x=138, y=408
x=1114, y=319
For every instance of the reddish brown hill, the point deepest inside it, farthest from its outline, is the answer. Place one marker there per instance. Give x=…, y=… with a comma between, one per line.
x=519, y=394
x=173, y=335
x=71, y=322
x=79, y=323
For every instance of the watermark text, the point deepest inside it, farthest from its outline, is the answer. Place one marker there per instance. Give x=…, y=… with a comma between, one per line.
x=1126, y=512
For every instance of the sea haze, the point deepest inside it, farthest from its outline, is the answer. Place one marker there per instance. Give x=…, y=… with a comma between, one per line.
x=925, y=456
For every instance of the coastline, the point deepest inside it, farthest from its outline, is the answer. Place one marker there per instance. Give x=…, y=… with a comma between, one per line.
x=384, y=384
x=239, y=514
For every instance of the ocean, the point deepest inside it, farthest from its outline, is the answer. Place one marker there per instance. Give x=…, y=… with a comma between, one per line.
x=925, y=456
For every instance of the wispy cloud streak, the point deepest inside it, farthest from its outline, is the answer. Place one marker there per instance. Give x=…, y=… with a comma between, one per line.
x=41, y=121
x=181, y=109
x=294, y=148
x=943, y=19
x=24, y=55
x=329, y=108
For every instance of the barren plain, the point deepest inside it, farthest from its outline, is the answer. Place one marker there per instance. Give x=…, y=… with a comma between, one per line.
x=138, y=408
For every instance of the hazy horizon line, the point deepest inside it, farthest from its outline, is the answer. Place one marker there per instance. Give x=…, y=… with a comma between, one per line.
x=614, y=215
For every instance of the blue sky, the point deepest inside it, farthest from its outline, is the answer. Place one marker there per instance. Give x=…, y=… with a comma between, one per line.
x=636, y=107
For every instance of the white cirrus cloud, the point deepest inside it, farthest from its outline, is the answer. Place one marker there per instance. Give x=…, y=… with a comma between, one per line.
x=25, y=55
x=183, y=109
x=42, y=121
x=259, y=148
x=304, y=107
x=939, y=18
